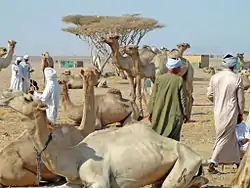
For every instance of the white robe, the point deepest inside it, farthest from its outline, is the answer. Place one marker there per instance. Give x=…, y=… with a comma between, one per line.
x=16, y=80
x=227, y=93
x=26, y=73
x=51, y=94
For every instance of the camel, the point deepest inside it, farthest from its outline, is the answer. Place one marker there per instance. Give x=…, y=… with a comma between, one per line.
x=74, y=81
x=110, y=108
x=242, y=177
x=141, y=71
x=121, y=62
x=242, y=62
x=6, y=61
x=209, y=70
x=18, y=159
x=109, y=158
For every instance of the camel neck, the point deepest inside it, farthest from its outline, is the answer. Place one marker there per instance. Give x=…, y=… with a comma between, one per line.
x=116, y=54
x=40, y=136
x=136, y=62
x=89, y=115
x=181, y=50
x=6, y=61
x=65, y=98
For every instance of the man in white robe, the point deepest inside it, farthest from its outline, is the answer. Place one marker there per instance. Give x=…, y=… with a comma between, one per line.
x=16, y=77
x=51, y=94
x=26, y=73
x=243, y=136
x=227, y=93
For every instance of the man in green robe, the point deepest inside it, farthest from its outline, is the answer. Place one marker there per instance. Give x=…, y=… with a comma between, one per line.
x=168, y=102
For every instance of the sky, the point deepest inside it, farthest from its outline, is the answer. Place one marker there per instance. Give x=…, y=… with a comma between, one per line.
x=210, y=26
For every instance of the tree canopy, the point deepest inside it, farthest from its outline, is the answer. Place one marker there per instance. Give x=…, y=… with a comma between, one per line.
x=131, y=28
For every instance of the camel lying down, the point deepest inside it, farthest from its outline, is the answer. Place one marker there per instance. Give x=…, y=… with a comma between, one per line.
x=110, y=158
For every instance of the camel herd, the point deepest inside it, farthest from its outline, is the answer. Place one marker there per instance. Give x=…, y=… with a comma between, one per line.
x=92, y=156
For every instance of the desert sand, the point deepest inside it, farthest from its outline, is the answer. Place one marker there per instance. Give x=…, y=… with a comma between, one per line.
x=199, y=135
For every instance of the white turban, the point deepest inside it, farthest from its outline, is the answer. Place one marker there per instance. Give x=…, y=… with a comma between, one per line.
x=173, y=63
x=18, y=59
x=229, y=61
x=50, y=73
x=26, y=57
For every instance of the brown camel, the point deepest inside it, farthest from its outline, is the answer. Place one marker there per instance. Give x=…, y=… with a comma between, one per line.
x=187, y=72
x=110, y=108
x=242, y=62
x=209, y=70
x=6, y=61
x=141, y=71
x=74, y=81
x=242, y=177
x=47, y=61
x=122, y=63
x=18, y=159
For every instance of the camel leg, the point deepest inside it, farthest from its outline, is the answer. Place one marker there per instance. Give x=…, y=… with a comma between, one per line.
x=139, y=88
x=185, y=168
x=190, y=100
x=132, y=85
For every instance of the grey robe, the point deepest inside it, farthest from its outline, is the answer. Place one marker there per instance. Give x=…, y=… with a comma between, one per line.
x=227, y=93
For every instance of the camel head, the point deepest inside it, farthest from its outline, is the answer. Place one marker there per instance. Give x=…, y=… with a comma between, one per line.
x=11, y=44
x=131, y=49
x=25, y=104
x=183, y=46
x=240, y=55
x=3, y=51
x=91, y=76
x=64, y=87
x=110, y=40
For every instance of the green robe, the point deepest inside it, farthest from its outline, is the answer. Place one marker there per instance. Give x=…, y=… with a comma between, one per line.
x=168, y=105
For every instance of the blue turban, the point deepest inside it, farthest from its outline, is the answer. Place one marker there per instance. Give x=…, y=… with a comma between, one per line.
x=229, y=61
x=174, y=63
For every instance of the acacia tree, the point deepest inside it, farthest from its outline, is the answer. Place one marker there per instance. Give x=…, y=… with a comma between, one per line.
x=131, y=29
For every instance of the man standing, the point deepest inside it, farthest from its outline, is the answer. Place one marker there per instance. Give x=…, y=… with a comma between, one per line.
x=26, y=73
x=226, y=91
x=168, y=101
x=16, y=78
x=51, y=94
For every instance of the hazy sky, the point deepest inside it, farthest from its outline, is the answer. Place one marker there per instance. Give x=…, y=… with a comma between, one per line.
x=215, y=26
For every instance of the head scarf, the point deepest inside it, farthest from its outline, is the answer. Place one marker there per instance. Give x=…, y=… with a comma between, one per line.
x=50, y=74
x=229, y=61
x=174, y=63
x=26, y=57
x=18, y=59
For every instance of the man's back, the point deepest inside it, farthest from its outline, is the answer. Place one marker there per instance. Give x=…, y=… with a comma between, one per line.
x=224, y=87
x=168, y=86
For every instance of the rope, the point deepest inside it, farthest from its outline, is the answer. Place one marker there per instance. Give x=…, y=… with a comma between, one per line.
x=39, y=156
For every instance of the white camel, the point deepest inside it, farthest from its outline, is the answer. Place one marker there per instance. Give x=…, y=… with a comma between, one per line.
x=5, y=61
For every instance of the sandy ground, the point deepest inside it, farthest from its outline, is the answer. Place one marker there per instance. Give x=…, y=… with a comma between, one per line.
x=199, y=134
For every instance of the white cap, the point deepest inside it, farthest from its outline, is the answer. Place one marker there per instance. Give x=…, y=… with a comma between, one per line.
x=18, y=59
x=26, y=57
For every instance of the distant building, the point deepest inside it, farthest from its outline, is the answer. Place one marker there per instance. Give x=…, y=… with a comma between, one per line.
x=198, y=60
